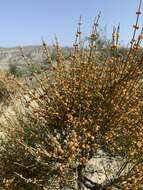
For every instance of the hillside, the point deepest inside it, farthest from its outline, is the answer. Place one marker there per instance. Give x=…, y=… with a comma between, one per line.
x=13, y=55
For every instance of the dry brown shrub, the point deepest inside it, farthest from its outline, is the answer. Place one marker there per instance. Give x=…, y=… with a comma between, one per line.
x=90, y=101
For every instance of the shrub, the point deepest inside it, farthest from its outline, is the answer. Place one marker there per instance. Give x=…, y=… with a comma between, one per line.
x=92, y=101
x=15, y=70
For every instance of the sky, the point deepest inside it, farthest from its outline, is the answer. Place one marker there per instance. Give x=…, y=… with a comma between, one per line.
x=26, y=22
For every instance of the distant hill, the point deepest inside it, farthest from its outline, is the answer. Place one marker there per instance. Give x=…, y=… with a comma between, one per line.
x=13, y=55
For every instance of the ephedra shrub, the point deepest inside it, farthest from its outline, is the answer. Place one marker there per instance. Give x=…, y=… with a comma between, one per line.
x=90, y=101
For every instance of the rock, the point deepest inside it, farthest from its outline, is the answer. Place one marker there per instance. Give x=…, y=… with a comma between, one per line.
x=102, y=168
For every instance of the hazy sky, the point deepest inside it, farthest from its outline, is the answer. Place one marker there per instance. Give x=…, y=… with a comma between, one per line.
x=24, y=22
